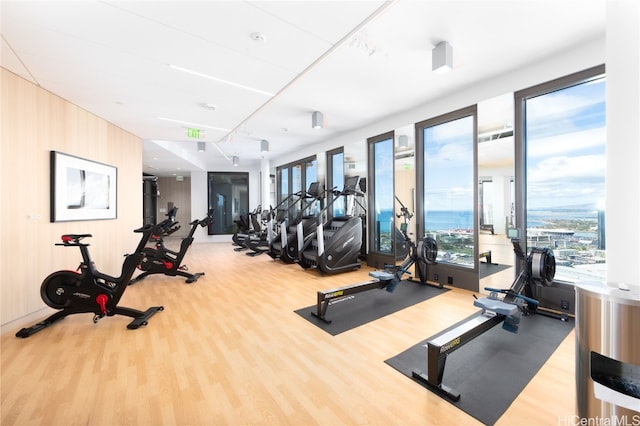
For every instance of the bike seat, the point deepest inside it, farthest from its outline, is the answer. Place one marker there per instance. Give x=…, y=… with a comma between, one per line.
x=381, y=275
x=73, y=238
x=497, y=306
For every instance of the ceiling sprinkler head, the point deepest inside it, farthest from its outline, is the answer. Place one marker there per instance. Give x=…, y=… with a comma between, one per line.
x=259, y=37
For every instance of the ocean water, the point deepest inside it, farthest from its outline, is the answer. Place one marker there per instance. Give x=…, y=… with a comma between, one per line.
x=463, y=219
x=449, y=219
x=540, y=218
x=436, y=220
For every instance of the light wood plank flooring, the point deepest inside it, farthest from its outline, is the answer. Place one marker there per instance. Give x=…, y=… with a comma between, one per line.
x=229, y=350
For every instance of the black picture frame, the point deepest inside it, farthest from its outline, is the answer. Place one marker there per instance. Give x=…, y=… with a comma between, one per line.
x=82, y=189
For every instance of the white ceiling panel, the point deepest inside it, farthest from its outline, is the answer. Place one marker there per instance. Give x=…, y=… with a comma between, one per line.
x=356, y=61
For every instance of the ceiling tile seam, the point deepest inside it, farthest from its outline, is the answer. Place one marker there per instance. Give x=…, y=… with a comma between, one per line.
x=378, y=12
x=20, y=60
x=206, y=40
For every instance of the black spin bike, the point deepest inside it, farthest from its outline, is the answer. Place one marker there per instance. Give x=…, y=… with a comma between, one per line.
x=161, y=260
x=89, y=291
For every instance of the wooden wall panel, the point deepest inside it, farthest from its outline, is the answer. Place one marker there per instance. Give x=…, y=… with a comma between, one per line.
x=34, y=122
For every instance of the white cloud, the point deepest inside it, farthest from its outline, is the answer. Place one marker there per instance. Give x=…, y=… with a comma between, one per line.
x=560, y=105
x=566, y=143
x=567, y=169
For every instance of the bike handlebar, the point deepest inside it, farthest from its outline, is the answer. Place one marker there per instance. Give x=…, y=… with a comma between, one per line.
x=145, y=228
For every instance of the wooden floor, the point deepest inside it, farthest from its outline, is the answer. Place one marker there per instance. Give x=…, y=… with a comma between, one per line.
x=229, y=350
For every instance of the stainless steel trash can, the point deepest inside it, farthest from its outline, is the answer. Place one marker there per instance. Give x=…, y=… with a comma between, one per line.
x=608, y=352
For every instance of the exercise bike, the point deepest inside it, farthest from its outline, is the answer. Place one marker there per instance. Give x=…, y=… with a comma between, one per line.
x=161, y=260
x=89, y=290
x=167, y=226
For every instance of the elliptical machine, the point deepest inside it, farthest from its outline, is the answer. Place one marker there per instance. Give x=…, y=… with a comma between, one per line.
x=304, y=223
x=285, y=214
x=335, y=246
x=258, y=242
x=245, y=228
x=90, y=290
x=160, y=260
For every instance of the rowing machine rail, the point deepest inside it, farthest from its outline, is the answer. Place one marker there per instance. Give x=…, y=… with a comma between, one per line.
x=380, y=280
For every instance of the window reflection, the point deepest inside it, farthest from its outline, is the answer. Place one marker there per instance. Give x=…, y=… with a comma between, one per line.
x=228, y=195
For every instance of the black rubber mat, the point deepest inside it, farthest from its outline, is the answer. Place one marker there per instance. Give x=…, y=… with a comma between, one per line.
x=490, y=371
x=487, y=269
x=361, y=308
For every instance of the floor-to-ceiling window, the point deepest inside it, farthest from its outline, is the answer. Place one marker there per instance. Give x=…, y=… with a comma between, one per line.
x=335, y=179
x=563, y=136
x=381, y=201
x=296, y=187
x=447, y=144
x=310, y=176
x=310, y=171
x=283, y=189
x=295, y=178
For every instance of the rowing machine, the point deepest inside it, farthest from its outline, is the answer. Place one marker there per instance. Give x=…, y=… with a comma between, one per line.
x=426, y=252
x=508, y=311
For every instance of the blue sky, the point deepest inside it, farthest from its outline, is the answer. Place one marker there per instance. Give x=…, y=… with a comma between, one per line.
x=566, y=138
x=566, y=157
x=449, y=165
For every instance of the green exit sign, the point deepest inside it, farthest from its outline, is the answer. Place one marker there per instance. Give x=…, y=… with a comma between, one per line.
x=193, y=133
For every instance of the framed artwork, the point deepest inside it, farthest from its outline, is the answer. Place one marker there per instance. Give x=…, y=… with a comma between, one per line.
x=82, y=189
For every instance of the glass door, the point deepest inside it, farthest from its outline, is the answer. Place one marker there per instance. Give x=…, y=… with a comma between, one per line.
x=228, y=196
